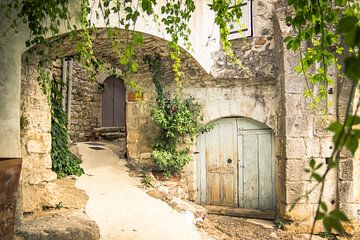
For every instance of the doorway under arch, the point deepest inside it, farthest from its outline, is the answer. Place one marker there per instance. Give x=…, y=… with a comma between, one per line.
x=113, y=103
x=236, y=165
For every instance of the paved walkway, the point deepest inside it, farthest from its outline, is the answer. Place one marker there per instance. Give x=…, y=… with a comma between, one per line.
x=120, y=208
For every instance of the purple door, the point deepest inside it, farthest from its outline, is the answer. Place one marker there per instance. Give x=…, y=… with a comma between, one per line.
x=113, y=103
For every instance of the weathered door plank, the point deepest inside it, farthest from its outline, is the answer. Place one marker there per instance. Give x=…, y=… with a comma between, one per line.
x=228, y=162
x=265, y=171
x=212, y=165
x=251, y=171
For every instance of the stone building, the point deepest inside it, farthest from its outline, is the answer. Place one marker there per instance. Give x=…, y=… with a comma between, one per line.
x=262, y=109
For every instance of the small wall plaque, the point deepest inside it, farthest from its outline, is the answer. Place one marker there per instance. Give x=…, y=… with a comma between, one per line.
x=134, y=96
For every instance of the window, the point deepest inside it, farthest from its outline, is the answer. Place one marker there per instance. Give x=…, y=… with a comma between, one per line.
x=244, y=27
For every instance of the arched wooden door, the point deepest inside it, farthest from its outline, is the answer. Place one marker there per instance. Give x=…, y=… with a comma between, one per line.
x=113, y=103
x=236, y=165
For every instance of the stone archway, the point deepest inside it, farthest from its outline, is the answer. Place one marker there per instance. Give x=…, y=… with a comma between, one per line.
x=39, y=181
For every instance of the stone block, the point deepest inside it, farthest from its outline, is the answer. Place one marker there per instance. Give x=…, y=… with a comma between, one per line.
x=132, y=123
x=346, y=192
x=320, y=123
x=211, y=111
x=312, y=147
x=145, y=155
x=329, y=195
x=297, y=126
x=258, y=112
x=300, y=212
x=145, y=148
x=133, y=150
x=58, y=227
x=295, y=148
x=294, y=83
x=295, y=191
x=34, y=197
x=36, y=146
x=326, y=147
x=296, y=105
x=279, y=146
x=346, y=169
x=144, y=122
x=352, y=211
x=295, y=170
x=37, y=176
x=149, y=96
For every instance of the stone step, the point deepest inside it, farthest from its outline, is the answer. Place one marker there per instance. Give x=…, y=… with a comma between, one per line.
x=113, y=135
x=109, y=129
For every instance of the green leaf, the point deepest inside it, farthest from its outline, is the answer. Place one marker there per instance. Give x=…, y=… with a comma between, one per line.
x=347, y=23
x=352, y=38
x=319, y=166
x=324, y=206
x=312, y=163
x=352, y=143
x=328, y=224
x=352, y=69
x=335, y=127
x=138, y=39
x=316, y=176
x=332, y=223
x=339, y=215
x=352, y=120
x=133, y=67
x=320, y=216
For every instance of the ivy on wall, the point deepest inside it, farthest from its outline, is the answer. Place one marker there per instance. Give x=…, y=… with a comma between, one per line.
x=64, y=162
x=179, y=121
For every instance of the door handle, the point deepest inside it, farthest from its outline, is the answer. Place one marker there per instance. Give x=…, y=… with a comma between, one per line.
x=229, y=161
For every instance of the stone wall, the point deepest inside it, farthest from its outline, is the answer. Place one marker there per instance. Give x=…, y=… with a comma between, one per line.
x=256, y=53
x=36, y=177
x=303, y=137
x=86, y=105
x=141, y=130
x=269, y=92
x=85, y=100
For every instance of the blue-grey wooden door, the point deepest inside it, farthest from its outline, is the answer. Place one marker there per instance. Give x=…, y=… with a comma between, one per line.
x=236, y=165
x=113, y=103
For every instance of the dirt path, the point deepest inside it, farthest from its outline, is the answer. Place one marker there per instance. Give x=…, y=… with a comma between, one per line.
x=120, y=208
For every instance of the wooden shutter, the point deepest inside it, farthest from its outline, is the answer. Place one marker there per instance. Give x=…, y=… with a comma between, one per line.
x=244, y=27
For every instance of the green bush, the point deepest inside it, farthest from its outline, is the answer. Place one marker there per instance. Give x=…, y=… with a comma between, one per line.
x=179, y=121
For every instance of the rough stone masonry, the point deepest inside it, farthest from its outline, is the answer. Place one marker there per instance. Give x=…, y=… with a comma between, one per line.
x=268, y=92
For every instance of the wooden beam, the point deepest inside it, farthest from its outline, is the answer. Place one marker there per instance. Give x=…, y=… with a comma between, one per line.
x=241, y=212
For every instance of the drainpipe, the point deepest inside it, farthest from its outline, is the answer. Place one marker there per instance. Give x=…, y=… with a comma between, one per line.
x=63, y=85
x=69, y=89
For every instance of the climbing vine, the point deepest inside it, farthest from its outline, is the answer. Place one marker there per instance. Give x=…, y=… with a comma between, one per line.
x=179, y=121
x=64, y=162
x=46, y=18
x=226, y=16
